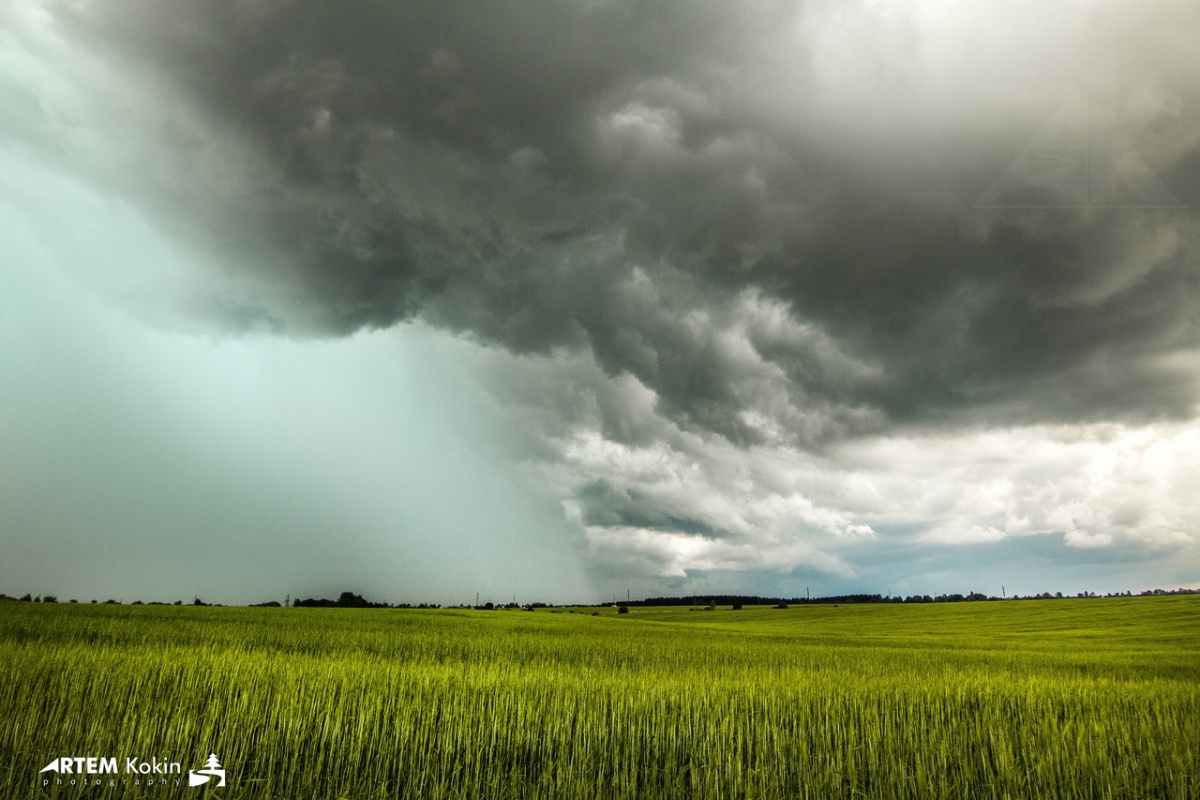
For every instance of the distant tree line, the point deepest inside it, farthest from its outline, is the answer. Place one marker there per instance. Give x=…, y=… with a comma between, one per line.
x=513, y=606
x=109, y=602
x=352, y=600
x=345, y=600
x=852, y=599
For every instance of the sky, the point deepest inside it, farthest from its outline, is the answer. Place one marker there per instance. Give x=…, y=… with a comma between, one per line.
x=559, y=301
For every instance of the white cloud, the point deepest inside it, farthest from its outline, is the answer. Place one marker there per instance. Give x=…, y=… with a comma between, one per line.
x=1094, y=485
x=773, y=508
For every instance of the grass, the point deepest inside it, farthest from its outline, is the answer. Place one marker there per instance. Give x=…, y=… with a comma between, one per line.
x=1096, y=698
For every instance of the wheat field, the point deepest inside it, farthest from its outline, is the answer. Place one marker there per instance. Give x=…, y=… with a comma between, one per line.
x=1087, y=698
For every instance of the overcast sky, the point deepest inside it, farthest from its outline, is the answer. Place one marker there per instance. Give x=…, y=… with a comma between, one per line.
x=559, y=300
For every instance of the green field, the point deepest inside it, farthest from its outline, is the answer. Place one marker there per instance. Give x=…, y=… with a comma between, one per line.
x=1089, y=698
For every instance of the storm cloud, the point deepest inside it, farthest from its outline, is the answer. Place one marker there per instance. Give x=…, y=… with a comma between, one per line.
x=720, y=260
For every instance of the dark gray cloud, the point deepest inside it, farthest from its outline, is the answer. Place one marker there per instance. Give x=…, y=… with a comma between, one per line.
x=610, y=176
x=706, y=247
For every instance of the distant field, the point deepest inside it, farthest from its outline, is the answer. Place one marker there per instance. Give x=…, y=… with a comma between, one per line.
x=1095, y=698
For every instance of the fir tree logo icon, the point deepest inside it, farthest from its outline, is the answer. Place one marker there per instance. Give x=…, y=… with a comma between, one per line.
x=212, y=769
